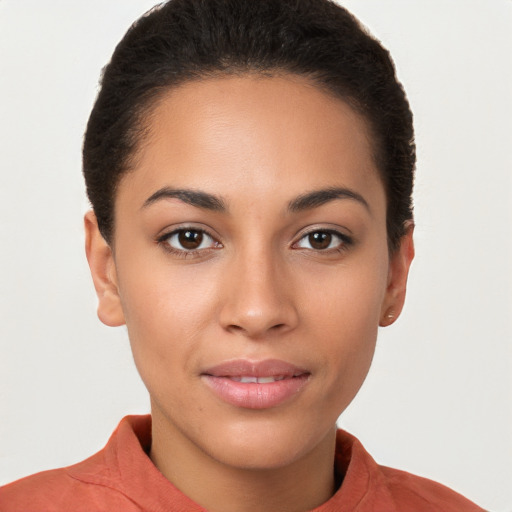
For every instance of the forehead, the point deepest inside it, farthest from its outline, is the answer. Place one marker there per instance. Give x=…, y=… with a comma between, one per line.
x=255, y=134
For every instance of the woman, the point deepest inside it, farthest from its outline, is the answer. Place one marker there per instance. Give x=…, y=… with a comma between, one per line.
x=250, y=168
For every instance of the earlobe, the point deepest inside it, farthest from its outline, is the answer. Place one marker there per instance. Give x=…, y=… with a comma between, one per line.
x=103, y=271
x=399, y=264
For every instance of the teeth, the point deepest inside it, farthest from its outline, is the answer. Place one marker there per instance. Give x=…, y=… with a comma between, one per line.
x=248, y=379
x=266, y=380
x=260, y=380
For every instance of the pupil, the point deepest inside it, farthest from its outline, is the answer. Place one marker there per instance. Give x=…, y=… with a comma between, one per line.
x=190, y=239
x=320, y=240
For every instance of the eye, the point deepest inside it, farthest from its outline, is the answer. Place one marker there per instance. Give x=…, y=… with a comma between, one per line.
x=188, y=240
x=322, y=240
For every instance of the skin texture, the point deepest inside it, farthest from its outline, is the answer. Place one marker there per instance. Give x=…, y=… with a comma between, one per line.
x=256, y=288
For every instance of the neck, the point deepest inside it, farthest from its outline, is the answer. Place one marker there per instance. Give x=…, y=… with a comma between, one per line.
x=301, y=485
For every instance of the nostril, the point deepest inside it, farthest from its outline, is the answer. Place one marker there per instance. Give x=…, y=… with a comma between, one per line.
x=238, y=328
x=234, y=327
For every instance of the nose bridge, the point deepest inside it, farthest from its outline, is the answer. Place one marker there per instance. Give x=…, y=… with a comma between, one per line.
x=256, y=300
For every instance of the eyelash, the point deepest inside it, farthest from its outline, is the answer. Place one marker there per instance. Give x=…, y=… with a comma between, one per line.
x=164, y=240
x=345, y=241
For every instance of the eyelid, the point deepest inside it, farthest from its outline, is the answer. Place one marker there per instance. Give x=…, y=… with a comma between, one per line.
x=162, y=239
x=345, y=240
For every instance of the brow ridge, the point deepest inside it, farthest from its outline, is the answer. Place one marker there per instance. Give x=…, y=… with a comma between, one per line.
x=318, y=198
x=195, y=198
x=205, y=200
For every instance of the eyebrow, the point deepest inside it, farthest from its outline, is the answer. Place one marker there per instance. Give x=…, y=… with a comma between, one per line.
x=318, y=198
x=208, y=201
x=195, y=198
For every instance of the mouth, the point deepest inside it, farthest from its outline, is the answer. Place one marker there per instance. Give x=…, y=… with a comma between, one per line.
x=260, y=380
x=256, y=385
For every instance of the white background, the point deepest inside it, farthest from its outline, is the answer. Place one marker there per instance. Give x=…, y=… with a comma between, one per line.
x=438, y=401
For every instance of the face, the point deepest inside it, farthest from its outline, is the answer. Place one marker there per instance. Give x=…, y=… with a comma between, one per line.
x=251, y=267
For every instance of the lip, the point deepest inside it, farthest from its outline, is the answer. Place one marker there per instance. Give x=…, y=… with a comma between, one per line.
x=256, y=395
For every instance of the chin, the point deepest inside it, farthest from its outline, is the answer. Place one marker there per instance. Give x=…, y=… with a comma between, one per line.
x=265, y=445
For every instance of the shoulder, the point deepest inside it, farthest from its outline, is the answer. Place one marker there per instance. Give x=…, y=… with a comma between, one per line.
x=377, y=487
x=102, y=482
x=408, y=490
x=59, y=490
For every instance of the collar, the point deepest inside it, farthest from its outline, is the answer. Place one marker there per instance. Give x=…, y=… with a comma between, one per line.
x=124, y=465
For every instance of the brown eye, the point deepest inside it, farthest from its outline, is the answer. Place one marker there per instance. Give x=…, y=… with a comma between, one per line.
x=320, y=240
x=189, y=239
x=323, y=240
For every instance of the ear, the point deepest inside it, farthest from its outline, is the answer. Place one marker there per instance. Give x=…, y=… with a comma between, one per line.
x=103, y=271
x=399, y=264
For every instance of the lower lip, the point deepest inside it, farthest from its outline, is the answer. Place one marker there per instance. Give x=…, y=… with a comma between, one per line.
x=253, y=395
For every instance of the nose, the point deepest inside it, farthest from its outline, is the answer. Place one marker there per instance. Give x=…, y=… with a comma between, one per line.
x=258, y=297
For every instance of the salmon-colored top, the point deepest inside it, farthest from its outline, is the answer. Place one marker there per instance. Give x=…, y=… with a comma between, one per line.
x=121, y=477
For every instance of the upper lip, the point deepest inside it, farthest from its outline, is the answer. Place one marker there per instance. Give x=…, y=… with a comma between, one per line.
x=265, y=368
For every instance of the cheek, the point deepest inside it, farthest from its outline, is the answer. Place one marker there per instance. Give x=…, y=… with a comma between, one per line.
x=347, y=329
x=166, y=316
x=167, y=310
x=347, y=300
x=343, y=316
